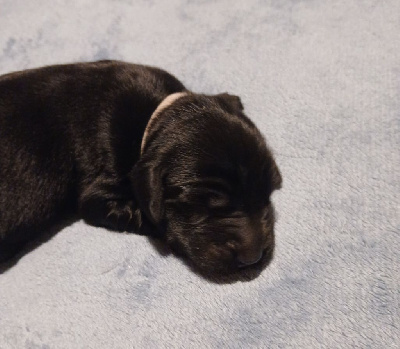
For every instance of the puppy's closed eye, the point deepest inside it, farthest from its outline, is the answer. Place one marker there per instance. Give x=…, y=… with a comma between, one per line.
x=217, y=199
x=207, y=192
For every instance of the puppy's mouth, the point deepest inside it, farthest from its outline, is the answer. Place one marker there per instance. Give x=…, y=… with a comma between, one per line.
x=212, y=262
x=220, y=267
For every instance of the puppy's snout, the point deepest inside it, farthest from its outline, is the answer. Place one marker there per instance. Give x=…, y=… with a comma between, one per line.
x=249, y=249
x=245, y=259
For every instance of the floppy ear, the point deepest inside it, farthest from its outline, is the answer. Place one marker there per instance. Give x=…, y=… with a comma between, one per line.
x=276, y=176
x=230, y=103
x=147, y=185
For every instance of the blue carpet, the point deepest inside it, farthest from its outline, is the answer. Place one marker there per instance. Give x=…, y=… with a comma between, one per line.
x=322, y=81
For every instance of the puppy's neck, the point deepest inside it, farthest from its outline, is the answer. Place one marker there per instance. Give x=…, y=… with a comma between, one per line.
x=166, y=102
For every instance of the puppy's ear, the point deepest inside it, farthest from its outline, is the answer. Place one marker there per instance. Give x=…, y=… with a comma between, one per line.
x=230, y=103
x=276, y=176
x=147, y=180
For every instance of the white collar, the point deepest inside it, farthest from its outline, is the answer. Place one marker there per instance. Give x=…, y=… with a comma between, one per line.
x=166, y=102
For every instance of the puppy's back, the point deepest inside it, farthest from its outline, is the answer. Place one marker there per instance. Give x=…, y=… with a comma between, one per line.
x=35, y=165
x=48, y=124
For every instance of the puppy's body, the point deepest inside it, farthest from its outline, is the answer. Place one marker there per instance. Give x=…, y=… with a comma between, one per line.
x=70, y=134
x=70, y=141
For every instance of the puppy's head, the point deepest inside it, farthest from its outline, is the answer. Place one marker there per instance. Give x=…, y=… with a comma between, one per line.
x=205, y=179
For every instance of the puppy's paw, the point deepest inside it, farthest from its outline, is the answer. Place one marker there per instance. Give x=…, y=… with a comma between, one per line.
x=123, y=216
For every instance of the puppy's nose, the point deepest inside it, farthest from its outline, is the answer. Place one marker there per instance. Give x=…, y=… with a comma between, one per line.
x=244, y=261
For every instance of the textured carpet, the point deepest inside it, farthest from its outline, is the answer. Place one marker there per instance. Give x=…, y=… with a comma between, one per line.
x=322, y=81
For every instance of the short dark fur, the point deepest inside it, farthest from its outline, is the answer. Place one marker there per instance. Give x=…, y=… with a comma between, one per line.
x=70, y=139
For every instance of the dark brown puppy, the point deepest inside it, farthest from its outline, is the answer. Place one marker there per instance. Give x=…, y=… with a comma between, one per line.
x=127, y=146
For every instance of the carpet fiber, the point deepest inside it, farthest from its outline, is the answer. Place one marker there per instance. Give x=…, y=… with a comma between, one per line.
x=322, y=81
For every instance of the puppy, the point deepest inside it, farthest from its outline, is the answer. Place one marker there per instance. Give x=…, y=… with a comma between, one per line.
x=128, y=147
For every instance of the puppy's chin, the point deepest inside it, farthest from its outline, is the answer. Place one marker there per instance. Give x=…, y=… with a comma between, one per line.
x=219, y=267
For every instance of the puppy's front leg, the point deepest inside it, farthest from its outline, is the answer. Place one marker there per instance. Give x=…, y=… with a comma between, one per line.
x=110, y=205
